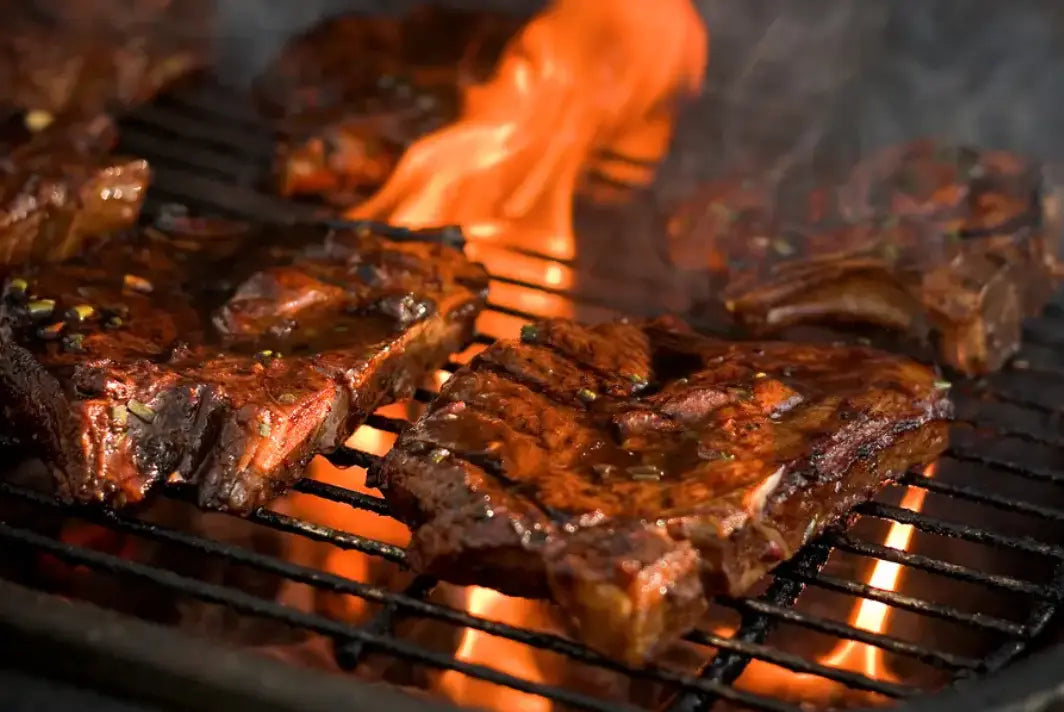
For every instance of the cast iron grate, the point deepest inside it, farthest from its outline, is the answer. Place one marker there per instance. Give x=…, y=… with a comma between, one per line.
x=208, y=151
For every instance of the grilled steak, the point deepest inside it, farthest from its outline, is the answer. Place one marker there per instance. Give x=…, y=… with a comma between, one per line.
x=83, y=57
x=629, y=470
x=61, y=189
x=221, y=355
x=924, y=239
x=352, y=93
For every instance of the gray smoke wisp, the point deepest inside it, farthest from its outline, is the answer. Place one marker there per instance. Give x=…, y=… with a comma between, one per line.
x=796, y=91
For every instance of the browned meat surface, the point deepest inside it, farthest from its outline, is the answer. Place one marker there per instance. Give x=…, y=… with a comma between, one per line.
x=350, y=94
x=83, y=57
x=926, y=239
x=629, y=470
x=61, y=189
x=220, y=355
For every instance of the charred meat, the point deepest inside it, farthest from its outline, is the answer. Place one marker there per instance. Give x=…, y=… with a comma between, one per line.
x=938, y=242
x=61, y=189
x=79, y=58
x=350, y=94
x=628, y=470
x=220, y=355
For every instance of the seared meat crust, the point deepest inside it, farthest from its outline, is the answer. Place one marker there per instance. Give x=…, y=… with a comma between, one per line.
x=628, y=470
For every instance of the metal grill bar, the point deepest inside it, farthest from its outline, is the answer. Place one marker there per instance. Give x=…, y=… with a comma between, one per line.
x=936, y=658
x=913, y=604
x=974, y=494
x=255, y=606
x=967, y=532
x=251, y=605
x=754, y=627
x=961, y=573
x=208, y=152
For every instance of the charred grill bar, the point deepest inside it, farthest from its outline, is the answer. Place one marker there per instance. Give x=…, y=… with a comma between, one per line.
x=207, y=152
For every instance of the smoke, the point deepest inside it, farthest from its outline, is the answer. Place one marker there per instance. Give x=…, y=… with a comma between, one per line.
x=251, y=32
x=797, y=91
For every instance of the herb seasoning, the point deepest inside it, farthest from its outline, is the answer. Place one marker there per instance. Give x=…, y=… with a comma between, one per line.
x=41, y=308
x=645, y=472
x=141, y=410
x=120, y=415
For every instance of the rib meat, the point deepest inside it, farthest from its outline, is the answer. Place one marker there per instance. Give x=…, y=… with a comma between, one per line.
x=62, y=189
x=628, y=470
x=925, y=239
x=350, y=94
x=220, y=355
x=79, y=58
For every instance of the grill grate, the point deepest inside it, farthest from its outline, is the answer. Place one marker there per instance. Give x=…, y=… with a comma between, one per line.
x=208, y=151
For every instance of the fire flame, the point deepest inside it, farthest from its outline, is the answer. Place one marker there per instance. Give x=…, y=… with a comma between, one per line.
x=852, y=655
x=503, y=655
x=586, y=84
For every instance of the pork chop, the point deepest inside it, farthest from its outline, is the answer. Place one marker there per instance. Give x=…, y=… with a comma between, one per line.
x=629, y=470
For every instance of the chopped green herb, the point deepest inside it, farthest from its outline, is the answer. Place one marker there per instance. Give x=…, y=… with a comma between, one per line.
x=37, y=120
x=603, y=469
x=120, y=415
x=114, y=322
x=74, y=342
x=287, y=398
x=587, y=395
x=41, y=308
x=141, y=410
x=638, y=380
x=137, y=284
x=645, y=472
x=724, y=212
x=81, y=312
x=783, y=248
x=264, y=429
x=714, y=455
x=942, y=385
x=953, y=236
x=17, y=286
x=51, y=332
x=439, y=454
x=529, y=333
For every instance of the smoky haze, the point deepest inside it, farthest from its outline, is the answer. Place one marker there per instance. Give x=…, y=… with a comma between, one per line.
x=800, y=87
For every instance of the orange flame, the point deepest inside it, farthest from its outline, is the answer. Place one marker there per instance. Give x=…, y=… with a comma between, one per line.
x=350, y=564
x=501, y=654
x=852, y=655
x=585, y=82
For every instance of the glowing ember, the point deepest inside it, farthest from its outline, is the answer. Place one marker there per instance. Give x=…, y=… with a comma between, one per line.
x=871, y=616
x=501, y=654
x=583, y=83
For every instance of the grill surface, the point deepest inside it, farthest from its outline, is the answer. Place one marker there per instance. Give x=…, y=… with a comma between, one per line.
x=208, y=151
